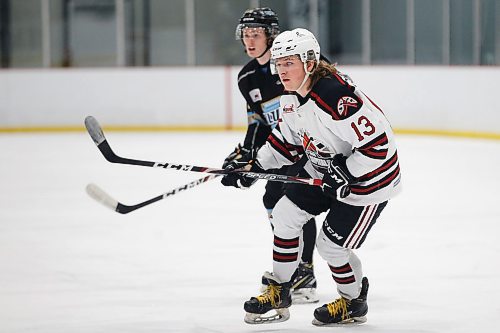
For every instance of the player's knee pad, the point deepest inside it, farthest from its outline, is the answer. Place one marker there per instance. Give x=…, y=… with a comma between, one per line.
x=334, y=254
x=288, y=219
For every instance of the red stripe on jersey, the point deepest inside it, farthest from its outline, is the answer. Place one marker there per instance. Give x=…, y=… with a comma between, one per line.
x=341, y=80
x=376, y=186
x=280, y=148
x=378, y=141
x=392, y=161
x=379, y=154
x=326, y=106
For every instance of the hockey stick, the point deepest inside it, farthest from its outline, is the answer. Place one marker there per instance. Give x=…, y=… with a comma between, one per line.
x=99, y=195
x=96, y=133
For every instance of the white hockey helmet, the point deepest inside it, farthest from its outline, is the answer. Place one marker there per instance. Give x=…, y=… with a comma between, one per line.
x=299, y=42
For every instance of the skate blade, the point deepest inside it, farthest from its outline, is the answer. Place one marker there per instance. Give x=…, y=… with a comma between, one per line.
x=279, y=316
x=348, y=322
x=305, y=296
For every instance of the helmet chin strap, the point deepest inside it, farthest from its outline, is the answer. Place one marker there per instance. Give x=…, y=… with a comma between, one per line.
x=265, y=51
x=305, y=77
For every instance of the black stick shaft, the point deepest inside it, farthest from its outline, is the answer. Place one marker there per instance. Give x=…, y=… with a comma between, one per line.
x=97, y=135
x=99, y=195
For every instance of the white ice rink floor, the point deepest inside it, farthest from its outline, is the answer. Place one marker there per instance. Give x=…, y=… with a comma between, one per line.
x=187, y=263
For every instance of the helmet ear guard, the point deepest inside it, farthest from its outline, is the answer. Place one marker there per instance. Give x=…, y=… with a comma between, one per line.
x=311, y=55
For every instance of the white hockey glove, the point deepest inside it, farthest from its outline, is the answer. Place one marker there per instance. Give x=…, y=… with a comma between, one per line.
x=336, y=181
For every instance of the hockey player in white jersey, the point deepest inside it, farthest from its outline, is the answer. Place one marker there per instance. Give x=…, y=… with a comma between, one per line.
x=350, y=145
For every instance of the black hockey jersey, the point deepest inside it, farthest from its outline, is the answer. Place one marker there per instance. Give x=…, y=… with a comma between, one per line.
x=262, y=91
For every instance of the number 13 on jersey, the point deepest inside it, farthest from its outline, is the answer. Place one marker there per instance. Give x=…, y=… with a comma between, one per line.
x=363, y=126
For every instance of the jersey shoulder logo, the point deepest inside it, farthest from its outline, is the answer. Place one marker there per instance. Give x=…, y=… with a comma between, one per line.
x=289, y=108
x=344, y=103
x=255, y=95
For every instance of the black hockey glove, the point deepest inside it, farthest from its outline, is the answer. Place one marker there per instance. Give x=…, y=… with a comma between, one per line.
x=246, y=162
x=336, y=181
x=237, y=153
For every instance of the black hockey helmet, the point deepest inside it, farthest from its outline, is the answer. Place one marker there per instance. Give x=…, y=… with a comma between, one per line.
x=263, y=17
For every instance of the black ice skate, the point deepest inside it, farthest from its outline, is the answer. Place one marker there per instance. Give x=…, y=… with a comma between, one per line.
x=276, y=298
x=304, y=285
x=264, y=283
x=342, y=311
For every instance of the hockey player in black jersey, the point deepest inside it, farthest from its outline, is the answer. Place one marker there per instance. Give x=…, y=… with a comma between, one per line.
x=349, y=143
x=262, y=90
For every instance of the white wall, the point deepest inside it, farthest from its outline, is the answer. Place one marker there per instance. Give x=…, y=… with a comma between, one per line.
x=420, y=98
x=434, y=98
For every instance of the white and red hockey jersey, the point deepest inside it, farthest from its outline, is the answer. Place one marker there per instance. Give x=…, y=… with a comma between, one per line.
x=336, y=117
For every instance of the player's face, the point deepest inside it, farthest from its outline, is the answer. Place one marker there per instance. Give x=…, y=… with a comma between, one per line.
x=291, y=72
x=255, y=41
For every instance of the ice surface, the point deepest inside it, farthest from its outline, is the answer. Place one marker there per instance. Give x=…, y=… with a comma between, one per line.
x=187, y=263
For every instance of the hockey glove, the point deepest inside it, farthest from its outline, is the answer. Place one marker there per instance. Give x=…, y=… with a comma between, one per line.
x=337, y=179
x=237, y=153
x=246, y=162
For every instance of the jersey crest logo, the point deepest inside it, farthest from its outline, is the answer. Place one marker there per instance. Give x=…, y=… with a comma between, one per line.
x=316, y=152
x=255, y=95
x=345, y=103
x=308, y=143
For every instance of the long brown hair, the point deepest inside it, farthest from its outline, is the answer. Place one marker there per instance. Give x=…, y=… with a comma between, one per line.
x=323, y=69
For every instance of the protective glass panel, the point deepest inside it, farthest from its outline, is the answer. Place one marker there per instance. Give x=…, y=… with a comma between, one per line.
x=215, y=23
x=345, y=27
x=287, y=10
x=428, y=32
x=59, y=42
x=461, y=32
x=490, y=31
x=92, y=33
x=388, y=31
x=4, y=34
x=167, y=26
x=24, y=42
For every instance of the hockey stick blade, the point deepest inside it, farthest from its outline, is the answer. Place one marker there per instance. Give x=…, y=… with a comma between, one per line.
x=94, y=130
x=99, y=195
x=97, y=135
x=99, y=139
x=96, y=193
